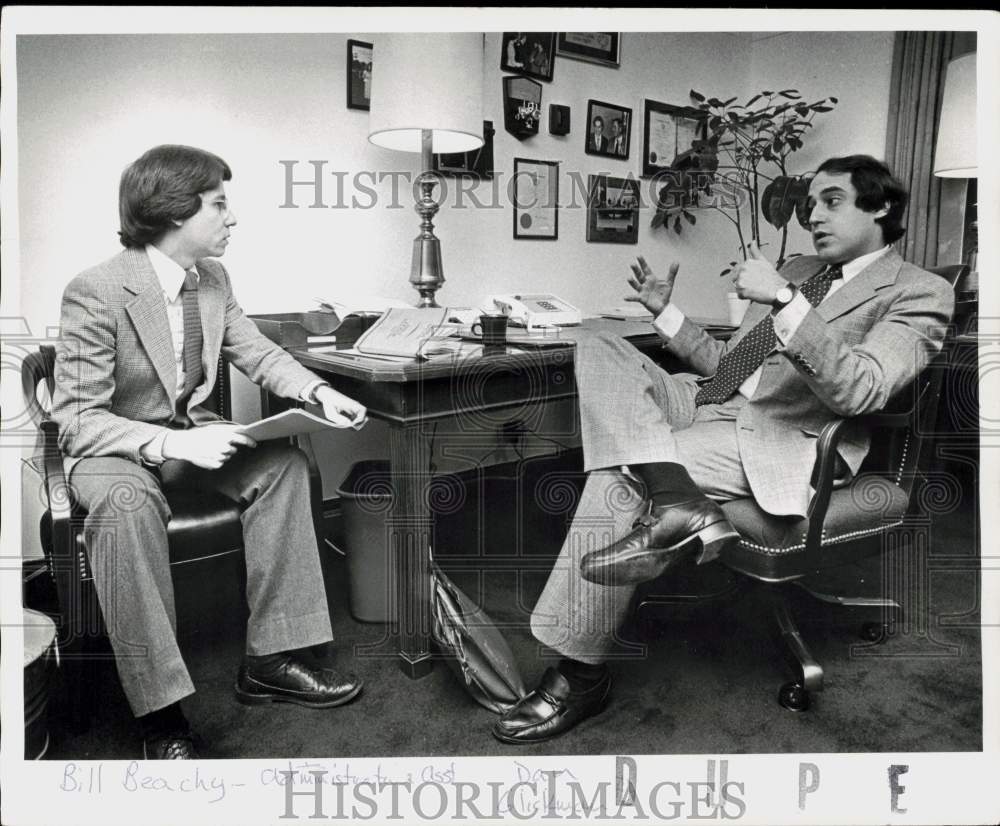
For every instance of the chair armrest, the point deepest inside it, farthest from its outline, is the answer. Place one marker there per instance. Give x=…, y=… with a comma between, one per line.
x=57, y=491
x=825, y=469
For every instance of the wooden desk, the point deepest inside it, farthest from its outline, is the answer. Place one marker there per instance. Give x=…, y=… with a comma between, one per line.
x=412, y=397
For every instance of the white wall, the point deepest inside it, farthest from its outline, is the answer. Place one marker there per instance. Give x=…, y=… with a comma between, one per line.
x=88, y=105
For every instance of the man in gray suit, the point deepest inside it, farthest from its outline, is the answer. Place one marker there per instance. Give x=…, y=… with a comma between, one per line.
x=833, y=335
x=140, y=342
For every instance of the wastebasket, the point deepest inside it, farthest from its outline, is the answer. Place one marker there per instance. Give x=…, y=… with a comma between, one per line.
x=366, y=500
x=40, y=656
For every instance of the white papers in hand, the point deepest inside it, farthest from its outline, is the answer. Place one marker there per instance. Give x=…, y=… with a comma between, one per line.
x=291, y=423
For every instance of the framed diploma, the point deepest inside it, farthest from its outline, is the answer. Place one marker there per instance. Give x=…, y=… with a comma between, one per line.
x=668, y=131
x=536, y=199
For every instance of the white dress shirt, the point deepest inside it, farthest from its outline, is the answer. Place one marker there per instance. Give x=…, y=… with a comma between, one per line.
x=786, y=321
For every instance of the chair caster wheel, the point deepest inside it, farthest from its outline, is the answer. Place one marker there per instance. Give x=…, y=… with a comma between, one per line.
x=794, y=697
x=874, y=632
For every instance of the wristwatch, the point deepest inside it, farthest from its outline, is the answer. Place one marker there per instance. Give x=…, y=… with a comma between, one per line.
x=784, y=297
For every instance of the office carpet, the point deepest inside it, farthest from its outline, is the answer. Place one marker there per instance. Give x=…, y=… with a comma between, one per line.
x=705, y=681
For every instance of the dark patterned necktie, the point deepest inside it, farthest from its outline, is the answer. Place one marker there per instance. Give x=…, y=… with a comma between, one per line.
x=736, y=366
x=192, y=333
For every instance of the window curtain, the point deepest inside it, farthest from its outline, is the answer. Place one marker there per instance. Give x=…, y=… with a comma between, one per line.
x=919, y=64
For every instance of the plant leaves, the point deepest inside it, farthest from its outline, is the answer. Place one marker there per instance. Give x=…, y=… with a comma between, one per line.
x=817, y=108
x=753, y=100
x=689, y=216
x=728, y=101
x=697, y=96
x=677, y=224
x=659, y=217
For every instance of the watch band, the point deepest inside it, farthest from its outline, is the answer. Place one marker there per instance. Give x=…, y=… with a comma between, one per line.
x=784, y=297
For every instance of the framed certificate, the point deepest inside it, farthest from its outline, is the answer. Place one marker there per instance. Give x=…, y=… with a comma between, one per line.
x=668, y=131
x=536, y=199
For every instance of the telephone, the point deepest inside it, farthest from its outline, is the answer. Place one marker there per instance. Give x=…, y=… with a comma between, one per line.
x=536, y=310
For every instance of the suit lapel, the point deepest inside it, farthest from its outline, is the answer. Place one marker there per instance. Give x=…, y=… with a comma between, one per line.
x=148, y=312
x=882, y=272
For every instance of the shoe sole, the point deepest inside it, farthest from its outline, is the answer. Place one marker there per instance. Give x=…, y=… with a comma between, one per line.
x=715, y=538
x=504, y=738
x=260, y=699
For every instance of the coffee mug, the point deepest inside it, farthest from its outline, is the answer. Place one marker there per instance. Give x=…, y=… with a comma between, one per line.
x=493, y=329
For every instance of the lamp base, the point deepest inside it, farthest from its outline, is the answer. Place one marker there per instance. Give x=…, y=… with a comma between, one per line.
x=426, y=273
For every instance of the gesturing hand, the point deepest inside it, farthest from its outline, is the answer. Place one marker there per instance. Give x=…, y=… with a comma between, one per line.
x=651, y=290
x=209, y=446
x=341, y=410
x=756, y=278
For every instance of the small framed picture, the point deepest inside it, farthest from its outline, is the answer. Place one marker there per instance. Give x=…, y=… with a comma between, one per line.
x=359, y=75
x=536, y=199
x=612, y=210
x=603, y=48
x=609, y=129
x=477, y=164
x=667, y=132
x=528, y=53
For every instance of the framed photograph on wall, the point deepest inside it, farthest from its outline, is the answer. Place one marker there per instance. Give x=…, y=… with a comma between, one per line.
x=359, y=75
x=612, y=210
x=668, y=131
x=603, y=48
x=609, y=129
x=528, y=53
x=536, y=199
x=477, y=164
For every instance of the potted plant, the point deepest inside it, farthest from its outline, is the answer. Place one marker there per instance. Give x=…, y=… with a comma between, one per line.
x=740, y=168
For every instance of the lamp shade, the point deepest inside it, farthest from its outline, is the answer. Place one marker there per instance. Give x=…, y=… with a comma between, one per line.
x=431, y=82
x=955, y=155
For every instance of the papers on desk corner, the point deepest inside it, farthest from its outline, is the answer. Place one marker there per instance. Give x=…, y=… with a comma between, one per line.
x=628, y=312
x=291, y=423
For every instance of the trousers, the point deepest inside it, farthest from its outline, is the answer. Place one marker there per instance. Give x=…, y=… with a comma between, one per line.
x=126, y=542
x=631, y=412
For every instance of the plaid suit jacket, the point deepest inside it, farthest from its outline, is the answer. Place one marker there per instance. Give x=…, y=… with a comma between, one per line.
x=116, y=380
x=850, y=355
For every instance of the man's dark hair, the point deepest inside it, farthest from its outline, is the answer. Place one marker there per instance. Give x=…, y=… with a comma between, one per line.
x=164, y=186
x=876, y=187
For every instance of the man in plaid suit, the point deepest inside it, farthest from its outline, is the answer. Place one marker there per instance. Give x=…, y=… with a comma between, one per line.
x=140, y=343
x=832, y=335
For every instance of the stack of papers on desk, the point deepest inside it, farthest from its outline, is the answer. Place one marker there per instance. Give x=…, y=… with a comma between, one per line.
x=628, y=312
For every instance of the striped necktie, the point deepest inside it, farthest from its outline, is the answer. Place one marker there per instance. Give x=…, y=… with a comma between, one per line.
x=192, y=333
x=736, y=366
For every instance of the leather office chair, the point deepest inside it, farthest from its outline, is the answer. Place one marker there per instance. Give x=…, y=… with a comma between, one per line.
x=203, y=525
x=844, y=524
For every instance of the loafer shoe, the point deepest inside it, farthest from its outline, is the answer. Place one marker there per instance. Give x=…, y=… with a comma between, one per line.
x=171, y=745
x=551, y=709
x=668, y=534
x=281, y=678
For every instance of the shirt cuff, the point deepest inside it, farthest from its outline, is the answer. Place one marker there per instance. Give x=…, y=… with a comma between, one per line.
x=151, y=453
x=308, y=393
x=668, y=322
x=788, y=319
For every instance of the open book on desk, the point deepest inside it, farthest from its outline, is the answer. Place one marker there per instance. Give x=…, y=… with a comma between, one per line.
x=409, y=333
x=288, y=423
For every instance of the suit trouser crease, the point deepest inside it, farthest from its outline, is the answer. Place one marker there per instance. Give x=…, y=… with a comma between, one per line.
x=631, y=412
x=127, y=547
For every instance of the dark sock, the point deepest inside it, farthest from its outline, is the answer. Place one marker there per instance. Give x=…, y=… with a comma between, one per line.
x=581, y=676
x=665, y=482
x=168, y=718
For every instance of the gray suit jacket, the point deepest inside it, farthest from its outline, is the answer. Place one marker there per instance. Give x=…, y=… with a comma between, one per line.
x=116, y=380
x=851, y=354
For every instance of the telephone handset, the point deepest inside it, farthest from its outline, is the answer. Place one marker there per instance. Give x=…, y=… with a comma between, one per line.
x=536, y=310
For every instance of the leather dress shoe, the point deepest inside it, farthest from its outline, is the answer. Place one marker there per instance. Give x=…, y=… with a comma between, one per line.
x=281, y=678
x=169, y=745
x=551, y=709
x=668, y=534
